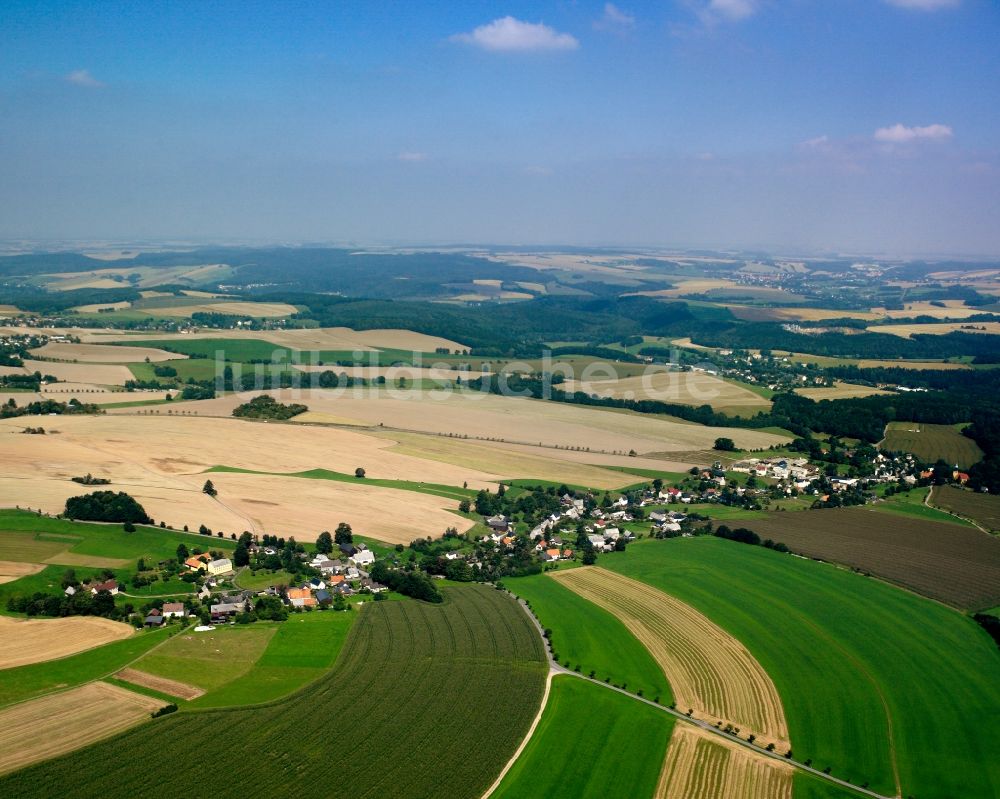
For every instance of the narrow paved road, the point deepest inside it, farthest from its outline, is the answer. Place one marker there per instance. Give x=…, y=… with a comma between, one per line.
x=555, y=668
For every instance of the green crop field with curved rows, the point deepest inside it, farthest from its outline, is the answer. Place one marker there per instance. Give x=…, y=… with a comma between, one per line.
x=424, y=701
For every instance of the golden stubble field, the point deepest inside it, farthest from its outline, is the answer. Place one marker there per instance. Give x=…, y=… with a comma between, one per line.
x=839, y=390
x=98, y=353
x=509, y=419
x=702, y=765
x=685, y=388
x=160, y=461
x=24, y=641
x=319, y=338
x=58, y=723
x=709, y=671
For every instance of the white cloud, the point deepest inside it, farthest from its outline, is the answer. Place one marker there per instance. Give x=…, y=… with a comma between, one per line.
x=82, y=77
x=614, y=20
x=924, y=5
x=411, y=157
x=509, y=35
x=729, y=10
x=816, y=142
x=901, y=134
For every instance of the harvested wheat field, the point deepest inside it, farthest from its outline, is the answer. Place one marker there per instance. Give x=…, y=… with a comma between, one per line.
x=685, y=388
x=839, y=390
x=475, y=415
x=36, y=640
x=757, y=313
x=321, y=338
x=166, y=475
x=392, y=372
x=100, y=306
x=510, y=462
x=59, y=723
x=254, y=309
x=708, y=670
x=305, y=507
x=103, y=353
x=102, y=374
x=700, y=765
x=939, y=329
x=161, y=684
x=11, y=570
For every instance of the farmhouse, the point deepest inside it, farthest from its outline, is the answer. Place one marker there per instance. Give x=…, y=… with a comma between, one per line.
x=171, y=609
x=363, y=557
x=111, y=586
x=220, y=566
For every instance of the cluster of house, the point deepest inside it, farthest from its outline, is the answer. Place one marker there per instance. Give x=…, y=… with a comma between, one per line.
x=111, y=586
x=213, y=567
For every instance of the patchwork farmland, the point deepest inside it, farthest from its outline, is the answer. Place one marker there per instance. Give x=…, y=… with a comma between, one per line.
x=821, y=634
x=416, y=739
x=953, y=563
x=710, y=672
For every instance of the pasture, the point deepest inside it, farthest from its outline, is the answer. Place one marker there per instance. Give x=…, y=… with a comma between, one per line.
x=706, y=766
x=29, y=537
x=440, y=696
x=52, y=725
x=932, y=441
x=984, y=509
x=25, y=641
x=303, y=649
x=874, y=681
x=709, y=671
x=591, y=743
x=207, y=660
x=952, y=563
x=586, y=635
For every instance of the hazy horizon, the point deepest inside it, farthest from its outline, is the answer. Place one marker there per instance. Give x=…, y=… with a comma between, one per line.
x=868, y=126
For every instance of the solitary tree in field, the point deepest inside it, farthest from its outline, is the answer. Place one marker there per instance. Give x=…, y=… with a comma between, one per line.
x=725, y=445
x=324, y=543
x=182, y=553
x=209, y=488
x=359, y=473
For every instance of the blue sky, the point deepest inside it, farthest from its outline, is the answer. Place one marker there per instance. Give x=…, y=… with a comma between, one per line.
x=811, y=125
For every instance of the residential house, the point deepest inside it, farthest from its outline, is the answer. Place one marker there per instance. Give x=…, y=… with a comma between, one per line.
x=111, y=586
x=301, y=598
x=154, y=619
x=363, y=557
x=174, y=609
x=70, y=590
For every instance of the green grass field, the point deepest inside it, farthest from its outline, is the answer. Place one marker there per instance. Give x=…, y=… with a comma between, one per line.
x=912, y=504
x=589, y=636
x=18, y=529
x=27, y=682
x=932, y=441
x=210, y=659
x=450, y=492
x=591, y=743
x=806, y=786
x=849, y=656
x=425, y=701
x=304, y=648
